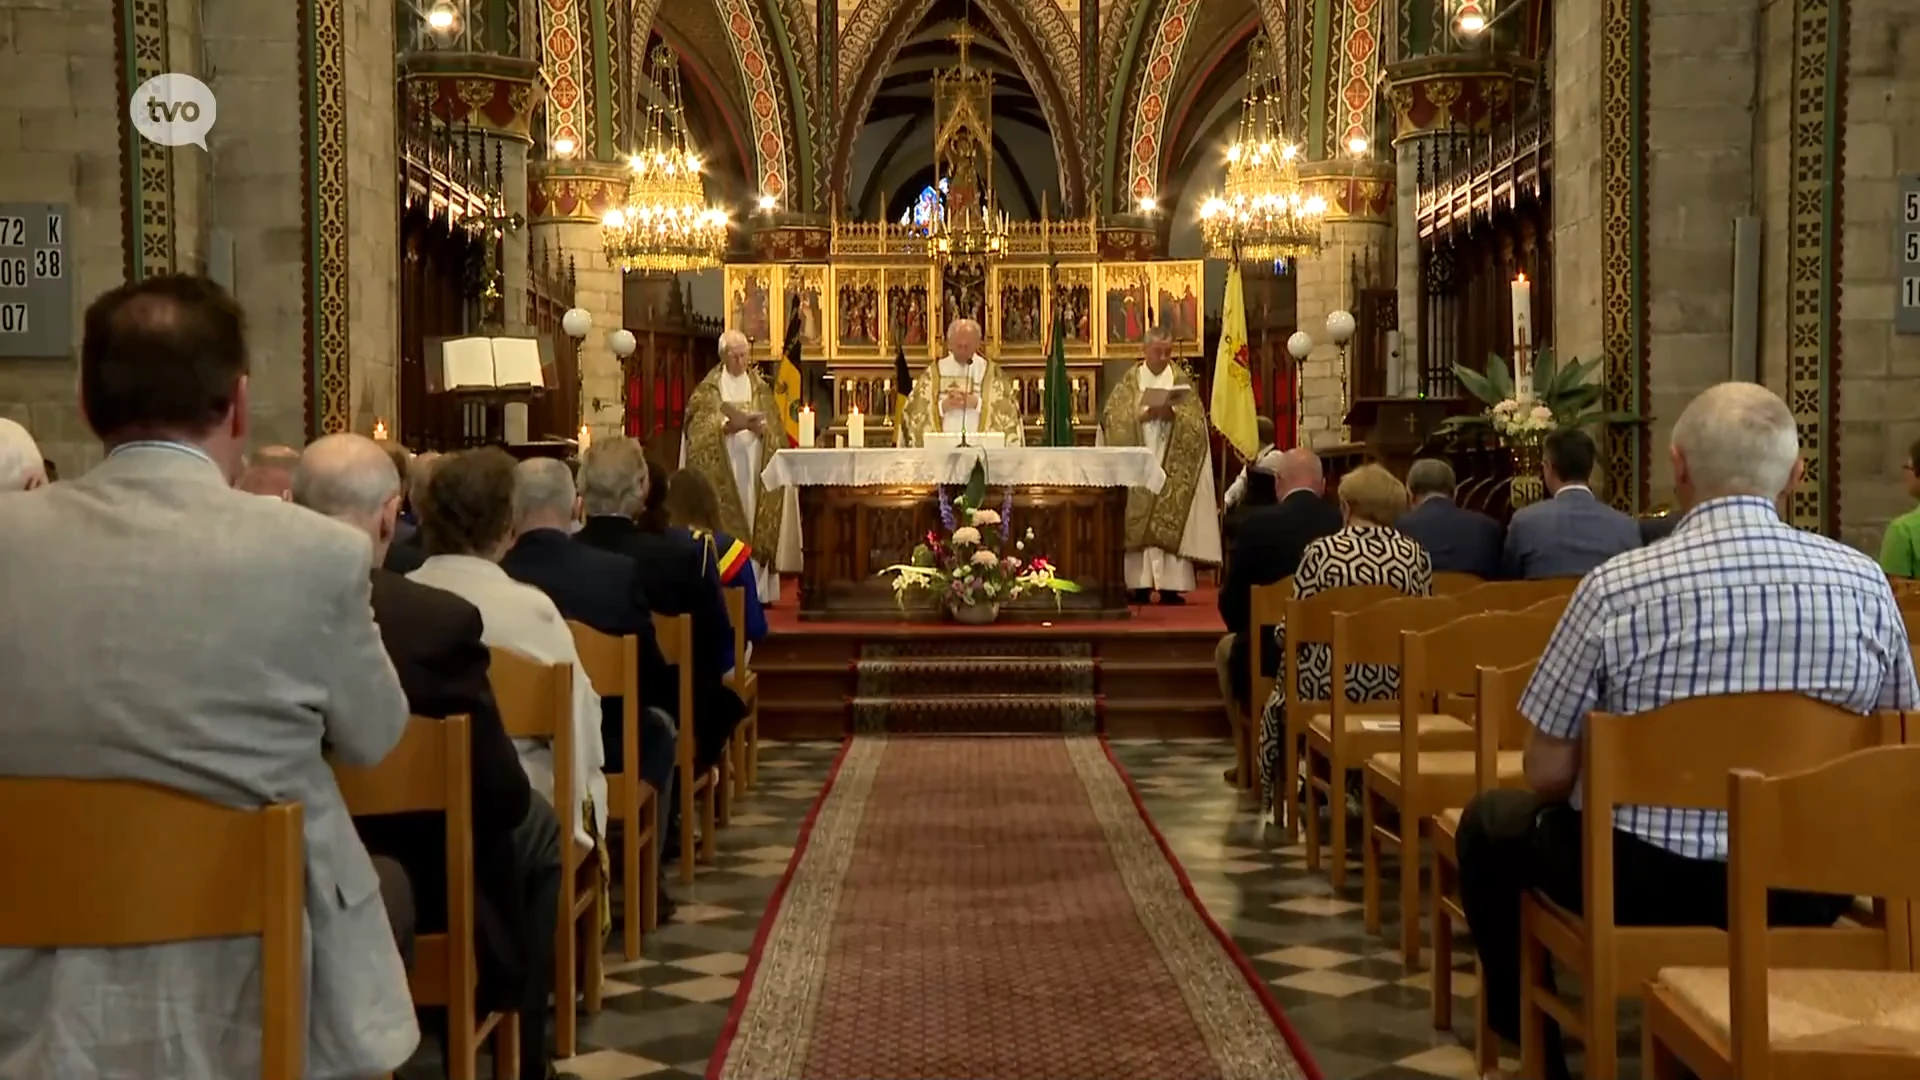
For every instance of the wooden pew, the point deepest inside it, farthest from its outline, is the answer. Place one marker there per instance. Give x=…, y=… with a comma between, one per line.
x=1514, y=595
x=697, y=793
x=119, y=864
x=1454, y=582
x=744, y=751
x=1309, y=622
x=431, y=770
x=1266, y=608
x=612, y=664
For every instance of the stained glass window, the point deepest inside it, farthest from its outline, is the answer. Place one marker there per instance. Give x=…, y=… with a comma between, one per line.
x=922, y=213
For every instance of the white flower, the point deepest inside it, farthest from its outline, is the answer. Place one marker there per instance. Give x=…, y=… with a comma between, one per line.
x=1019, y=545
x=1029, y=532
x=1542, y=415
x=966, y=534
x=1506, y=407
x=985, y=558
x=986, y=517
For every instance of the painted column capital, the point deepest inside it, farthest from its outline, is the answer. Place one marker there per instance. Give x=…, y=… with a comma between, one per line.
x=495, y=94
x=1357, y=190
x=570, y=189
x=1455, y=93
x=1129, y=238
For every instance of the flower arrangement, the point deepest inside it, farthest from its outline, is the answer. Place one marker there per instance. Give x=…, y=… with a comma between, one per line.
x=1519, y=421
x=1555, y=396
x=969, y=569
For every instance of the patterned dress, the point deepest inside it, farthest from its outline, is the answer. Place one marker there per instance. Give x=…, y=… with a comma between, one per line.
x=1356, y=555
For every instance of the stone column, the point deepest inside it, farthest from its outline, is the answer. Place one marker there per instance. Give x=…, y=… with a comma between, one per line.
x=1359, y=225
x=567, y=201
x=494, y=95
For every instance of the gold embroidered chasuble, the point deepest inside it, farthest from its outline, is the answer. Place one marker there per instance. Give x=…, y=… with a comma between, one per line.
x=1159, y=519
x=998, y=409
x=707, y=453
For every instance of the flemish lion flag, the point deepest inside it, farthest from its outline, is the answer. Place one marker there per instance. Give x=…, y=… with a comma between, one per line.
x=1059, y=386
x=1232, y=408
x=787, y=393
x=902, y=381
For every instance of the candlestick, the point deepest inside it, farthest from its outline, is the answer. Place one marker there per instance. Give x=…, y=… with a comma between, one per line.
x=856, y=429
x=806, y=427
x=379, y=430
x=585, y=439
x=1522, y=312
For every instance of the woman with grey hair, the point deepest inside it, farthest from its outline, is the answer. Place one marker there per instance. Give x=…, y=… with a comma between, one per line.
x=733, y=429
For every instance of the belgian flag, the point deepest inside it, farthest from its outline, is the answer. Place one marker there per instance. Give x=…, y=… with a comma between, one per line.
x=788, y=394
x=902, y=381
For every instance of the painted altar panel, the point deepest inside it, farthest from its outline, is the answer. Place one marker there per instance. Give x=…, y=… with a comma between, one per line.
x=1017, y=315
x=1124, y=294
x=1073, y=297
x=753, y=307
x=1177, y=290
x=857, y=311
x=910, y=300
x=807, y=285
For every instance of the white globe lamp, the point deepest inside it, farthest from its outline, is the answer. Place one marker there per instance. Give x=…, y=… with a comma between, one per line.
x=622, y=343
x=1340, y=327
x=576, y=322
x=1300, y=344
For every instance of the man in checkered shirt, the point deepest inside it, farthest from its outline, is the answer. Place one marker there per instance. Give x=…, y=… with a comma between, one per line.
x=1735, y=601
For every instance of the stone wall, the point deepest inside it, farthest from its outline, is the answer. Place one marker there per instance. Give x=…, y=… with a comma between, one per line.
x=599, y=291
x=1325, y=286
x=1577, y=265
x=373, y=207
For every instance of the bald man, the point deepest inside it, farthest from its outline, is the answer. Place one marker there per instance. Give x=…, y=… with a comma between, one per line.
x=961, y=392
x=1265, y=546
x=269, y=472
x=433, y=638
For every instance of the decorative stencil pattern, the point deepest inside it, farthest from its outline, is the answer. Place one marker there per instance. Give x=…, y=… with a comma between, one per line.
x=1156, y=86
x=323, y=95
x=146, y=167
x=563, y=58
x=1623, y=224
x=1813, y=257
x=803, y=55
x=1359, y=67
x=761, y=83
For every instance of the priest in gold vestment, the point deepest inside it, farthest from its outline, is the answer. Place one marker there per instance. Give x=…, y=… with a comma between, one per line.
x=961, y=391
x=1170, y=530
x=732, y=430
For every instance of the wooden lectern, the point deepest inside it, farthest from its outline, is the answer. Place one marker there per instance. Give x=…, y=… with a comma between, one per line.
x=1395, y=429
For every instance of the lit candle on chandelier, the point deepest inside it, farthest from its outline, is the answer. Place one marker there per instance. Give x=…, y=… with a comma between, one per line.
x=856, y=429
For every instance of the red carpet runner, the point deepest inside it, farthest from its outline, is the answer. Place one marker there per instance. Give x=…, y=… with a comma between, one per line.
x=993, y=909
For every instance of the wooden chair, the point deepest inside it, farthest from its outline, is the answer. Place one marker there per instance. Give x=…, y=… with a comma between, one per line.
x=1439, y=672
x=115, y=864
x=1499, y=729
x=1266, y=608
x=612, y=665
x=744, y=749
x=1551, y=608
x=1514, y=595
x=1846, y=826
x=430, y=770
x=1452, y=582
x=1676, y=756
x=1351, y=732
x=1309, y=622
x=675, y=633
x=536, y=702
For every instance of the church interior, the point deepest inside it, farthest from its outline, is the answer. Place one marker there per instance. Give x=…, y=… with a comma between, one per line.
x=1044, y=393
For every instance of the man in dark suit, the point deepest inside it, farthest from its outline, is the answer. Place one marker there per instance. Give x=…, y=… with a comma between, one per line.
x=673, y=574
x=1572, y=532
x=1264, y=546
x=406, y=554
x=1457, y=540
x=433, y=639
x=594, y=588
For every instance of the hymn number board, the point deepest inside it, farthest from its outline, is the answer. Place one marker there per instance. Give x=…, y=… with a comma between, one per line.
x=36, y=281
x=1906, y=306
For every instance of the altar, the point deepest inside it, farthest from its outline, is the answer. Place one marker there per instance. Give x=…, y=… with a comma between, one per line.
x=863, y=510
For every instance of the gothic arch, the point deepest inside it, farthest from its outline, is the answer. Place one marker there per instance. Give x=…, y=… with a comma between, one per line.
x=769, y=112
x=1042, y=45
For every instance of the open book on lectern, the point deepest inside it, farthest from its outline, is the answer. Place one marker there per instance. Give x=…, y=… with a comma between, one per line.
x=491, y=363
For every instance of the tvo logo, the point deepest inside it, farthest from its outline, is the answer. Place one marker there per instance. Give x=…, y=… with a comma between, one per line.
x=173, y=110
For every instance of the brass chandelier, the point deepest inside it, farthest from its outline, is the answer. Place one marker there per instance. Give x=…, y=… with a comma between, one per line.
x=1263, y=213
x=667, y=222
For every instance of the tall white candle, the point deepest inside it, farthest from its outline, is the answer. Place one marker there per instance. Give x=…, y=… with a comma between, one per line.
x=586, y=438
x=856, y=429
x=806, y=426
x=1522, y=312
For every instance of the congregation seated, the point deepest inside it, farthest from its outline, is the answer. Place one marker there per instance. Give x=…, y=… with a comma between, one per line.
x=693, y=507
x=1735, y=601
x=21, y=466
x=1571, y=531
x=594, y=588
x=435, y=640
x=1264, y=545
x=407, y=552
x=1366, y=550
x=269, y=472
x=161, y=626
x=1900, y=547
x=1458, y=540
x=673, y=575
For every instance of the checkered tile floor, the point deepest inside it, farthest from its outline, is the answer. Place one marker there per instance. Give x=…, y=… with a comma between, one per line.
x=1362, y=1015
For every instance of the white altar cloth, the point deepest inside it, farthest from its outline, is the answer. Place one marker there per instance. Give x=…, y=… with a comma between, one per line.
x=1012, y=466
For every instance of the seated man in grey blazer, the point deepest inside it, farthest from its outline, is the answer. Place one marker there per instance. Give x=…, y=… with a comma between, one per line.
x=161, y=626
x=1572, y=532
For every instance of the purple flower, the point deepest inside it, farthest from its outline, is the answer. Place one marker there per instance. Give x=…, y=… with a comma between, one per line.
x=947, y=520
x=1006, y=514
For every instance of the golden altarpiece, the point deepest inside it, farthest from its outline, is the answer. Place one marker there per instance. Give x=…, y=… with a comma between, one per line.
x=902, y=283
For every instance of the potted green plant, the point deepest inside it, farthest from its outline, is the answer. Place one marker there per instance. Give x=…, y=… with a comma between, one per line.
x=1519, y=418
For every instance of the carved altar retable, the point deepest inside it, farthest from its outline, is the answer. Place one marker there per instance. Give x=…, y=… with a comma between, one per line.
x=864, y=510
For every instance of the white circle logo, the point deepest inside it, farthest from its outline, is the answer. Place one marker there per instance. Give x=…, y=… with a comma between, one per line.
x=173, y=110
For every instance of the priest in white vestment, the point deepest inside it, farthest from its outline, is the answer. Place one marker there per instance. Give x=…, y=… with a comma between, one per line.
x=961, y=392
x=732, y=430
x=1155, y=405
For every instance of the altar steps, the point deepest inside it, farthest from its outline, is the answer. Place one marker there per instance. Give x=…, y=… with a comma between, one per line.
x=945, y=686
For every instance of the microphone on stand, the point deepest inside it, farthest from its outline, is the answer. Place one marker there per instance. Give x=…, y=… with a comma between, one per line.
x=964, y=407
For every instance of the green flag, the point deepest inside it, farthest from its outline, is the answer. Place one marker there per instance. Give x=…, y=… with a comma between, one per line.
x=1059, y=387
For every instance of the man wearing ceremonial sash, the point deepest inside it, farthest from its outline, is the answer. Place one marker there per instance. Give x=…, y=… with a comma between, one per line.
x=961, y=391
x=1154, y=405
x=732, y=431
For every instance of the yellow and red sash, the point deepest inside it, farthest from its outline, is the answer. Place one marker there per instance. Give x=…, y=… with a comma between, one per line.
x=730, y=559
